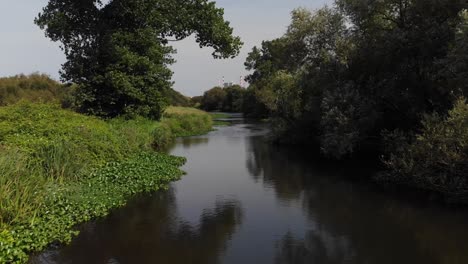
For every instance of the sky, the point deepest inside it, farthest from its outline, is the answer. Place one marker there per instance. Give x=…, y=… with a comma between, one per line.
x=25, y=49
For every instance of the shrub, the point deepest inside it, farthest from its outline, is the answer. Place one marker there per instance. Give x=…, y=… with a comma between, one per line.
x=346, y=119
x=435, y=159
x=183, y=121
x=162, y=136
x=20, y=186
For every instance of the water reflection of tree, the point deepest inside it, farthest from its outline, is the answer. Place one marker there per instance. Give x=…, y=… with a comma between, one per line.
x=150, y=231
x=352, y=222
x=271, y=164
x=189, y=142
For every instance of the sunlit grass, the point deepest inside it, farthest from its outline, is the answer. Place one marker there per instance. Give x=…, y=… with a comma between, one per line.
x=47, y=151
x=177, y=110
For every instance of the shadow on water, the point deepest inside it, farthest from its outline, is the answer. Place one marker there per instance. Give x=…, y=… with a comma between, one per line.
x=148, y=230
x=352, y=222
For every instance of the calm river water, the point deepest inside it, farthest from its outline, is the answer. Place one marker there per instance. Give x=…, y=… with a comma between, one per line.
x=246, y=201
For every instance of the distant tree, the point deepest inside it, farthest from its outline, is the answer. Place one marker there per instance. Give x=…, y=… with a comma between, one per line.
x=118, y=52
x=196, y=101
x=175, y=98
x=234, y=99
x=213, y=99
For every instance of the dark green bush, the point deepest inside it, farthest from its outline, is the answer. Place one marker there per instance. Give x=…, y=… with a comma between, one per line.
x=435, y=159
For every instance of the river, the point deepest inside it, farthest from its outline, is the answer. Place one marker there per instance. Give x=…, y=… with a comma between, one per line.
x=244, y=200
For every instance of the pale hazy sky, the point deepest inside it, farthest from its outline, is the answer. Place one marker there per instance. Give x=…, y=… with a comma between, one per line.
x=25, y=49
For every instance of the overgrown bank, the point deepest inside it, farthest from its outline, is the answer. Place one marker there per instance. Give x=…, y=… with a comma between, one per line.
x=382, y=79
x=60, y=168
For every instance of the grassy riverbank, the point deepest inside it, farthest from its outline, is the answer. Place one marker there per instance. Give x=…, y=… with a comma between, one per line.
x=60, y=168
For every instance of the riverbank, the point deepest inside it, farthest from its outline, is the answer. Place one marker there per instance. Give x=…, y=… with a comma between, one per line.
x=60, y=168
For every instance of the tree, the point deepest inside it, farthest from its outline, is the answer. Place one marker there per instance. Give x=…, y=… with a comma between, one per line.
x=213, y=99
x=455, y=65
x=290, y=74
x=118, y=53
x=398, y=44
x=234, y=100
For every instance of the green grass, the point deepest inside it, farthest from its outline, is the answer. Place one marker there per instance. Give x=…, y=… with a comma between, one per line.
x=66, y=144
x=59, y=168
x=216, y=116
x=184, y=121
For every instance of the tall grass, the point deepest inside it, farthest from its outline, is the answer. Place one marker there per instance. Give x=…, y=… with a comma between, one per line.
x=184, y=121
x=56, y=138
x=59, y=161
x=175, y=111
x=21, y=187
x=34, y=88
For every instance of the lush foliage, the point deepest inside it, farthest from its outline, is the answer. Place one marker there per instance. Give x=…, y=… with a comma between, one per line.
x=183, y=121
x=213, y=99
x=69, y=204
x=177, y=99
x=66, y=143
x=228, y=99
x=436, y=159
x=118, y=53
x=360, y=68
x=56, y=176
x=341, y=77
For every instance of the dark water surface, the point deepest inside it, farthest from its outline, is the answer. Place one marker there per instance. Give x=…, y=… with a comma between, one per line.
x=245, y=201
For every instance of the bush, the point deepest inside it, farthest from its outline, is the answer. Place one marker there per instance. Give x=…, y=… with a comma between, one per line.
x=346, y=119
x=436, y=159
x=162, y=136
x=183, y=121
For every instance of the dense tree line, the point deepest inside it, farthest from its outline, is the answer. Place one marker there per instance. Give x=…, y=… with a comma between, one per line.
x=368, y=76
x=228, y=99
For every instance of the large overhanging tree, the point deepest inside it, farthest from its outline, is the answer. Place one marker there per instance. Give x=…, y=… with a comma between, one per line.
x=118, y=51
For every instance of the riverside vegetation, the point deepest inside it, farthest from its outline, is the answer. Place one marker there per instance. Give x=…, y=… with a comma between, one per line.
x=384, y=81
x=380, y=80
x=60, y=168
